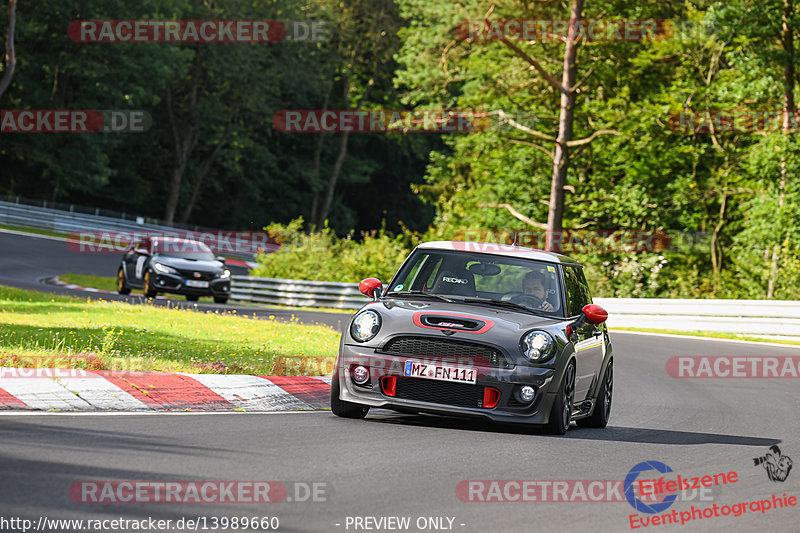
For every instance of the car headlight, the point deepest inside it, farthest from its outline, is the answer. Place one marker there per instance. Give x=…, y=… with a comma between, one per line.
x=537, y=345
x=164, y=269
x=225, y=274
x=365, y=326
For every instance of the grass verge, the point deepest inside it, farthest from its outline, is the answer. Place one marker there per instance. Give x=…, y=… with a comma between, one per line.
x=712, y=334
x=39, y=329
x=94, y=282
x=35, y=231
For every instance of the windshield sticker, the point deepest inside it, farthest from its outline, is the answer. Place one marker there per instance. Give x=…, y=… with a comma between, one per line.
x=399, y=287
x=551, y=269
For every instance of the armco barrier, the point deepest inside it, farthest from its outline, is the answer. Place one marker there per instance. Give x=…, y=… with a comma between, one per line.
x=757, y=317
x=297, y=293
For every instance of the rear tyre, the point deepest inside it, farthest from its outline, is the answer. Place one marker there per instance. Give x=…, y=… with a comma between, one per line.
x=147, y=286
x=220, y=300
x=561, y=413
x=122, y=285
x=602, y=408
x=342, y=408
x=192, y=298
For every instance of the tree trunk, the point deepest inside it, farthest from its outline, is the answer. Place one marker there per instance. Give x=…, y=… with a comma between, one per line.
x=335, y=171
x=555, y=213
x=183, y=150
x=716, y=249
x=787, y=42
x=311, y=223
x=200, y=177
x=11, y=55
x=337, y=166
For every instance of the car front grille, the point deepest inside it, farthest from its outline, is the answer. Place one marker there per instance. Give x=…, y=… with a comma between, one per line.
x=204, y=276
x=441, y=392
x=480, y=354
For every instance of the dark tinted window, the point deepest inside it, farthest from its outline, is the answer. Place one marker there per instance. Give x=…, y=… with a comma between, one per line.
x=577, y=290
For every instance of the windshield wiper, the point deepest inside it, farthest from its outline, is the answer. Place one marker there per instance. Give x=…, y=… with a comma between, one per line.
x=419, y=293
x=507, y=304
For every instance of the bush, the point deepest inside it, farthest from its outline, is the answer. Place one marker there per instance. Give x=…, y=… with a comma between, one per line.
x=322, y=256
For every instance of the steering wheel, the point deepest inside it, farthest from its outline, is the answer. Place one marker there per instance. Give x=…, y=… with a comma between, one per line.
x=528, y=300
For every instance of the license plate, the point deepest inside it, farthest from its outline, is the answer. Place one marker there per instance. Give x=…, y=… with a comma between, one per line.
x=198, y=284
x=418, y=369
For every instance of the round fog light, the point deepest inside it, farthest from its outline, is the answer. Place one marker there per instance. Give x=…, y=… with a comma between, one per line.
x=360, y=375
x=526, y=393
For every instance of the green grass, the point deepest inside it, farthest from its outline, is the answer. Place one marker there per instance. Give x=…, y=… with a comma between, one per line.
x=95, y=282
x=33, y=230
x=713, y=334
x=39, y=329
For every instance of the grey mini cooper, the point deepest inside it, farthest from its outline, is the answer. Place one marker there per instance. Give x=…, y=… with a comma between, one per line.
x=484, y=330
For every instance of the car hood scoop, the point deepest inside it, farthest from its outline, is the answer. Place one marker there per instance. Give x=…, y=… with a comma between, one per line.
x=448, y=321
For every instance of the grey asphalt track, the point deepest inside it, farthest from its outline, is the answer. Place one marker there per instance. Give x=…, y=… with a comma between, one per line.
x=402, y=465
x=27, y=260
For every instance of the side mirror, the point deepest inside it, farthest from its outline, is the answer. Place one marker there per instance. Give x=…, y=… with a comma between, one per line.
x=140, y=251
x=220, y=259
x=595, y=314
x=371, y=287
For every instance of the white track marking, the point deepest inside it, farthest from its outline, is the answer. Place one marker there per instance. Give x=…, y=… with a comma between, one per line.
x=43, y=393
x=250, y=393
x=692, y=337
x=103, y=394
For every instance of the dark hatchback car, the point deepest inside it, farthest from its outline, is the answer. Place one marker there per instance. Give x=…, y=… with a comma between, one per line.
x=499, y=332
x=174, y=265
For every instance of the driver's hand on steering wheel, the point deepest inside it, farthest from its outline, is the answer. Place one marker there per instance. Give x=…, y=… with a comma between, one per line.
x=546, y=306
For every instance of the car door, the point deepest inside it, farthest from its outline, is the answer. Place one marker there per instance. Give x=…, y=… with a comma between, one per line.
x=589, y=341
x=135, y=262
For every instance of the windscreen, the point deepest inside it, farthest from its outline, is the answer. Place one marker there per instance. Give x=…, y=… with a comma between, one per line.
x=533, y=284
x=184, y=249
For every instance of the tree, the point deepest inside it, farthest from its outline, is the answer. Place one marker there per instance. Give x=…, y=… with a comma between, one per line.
x=10, y=58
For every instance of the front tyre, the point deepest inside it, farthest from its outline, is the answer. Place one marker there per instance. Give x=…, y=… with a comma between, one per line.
x=147, y=286
x=220, y=299
x=561, y=413
x=122, y=285
x=342, y=408
x=602, y=408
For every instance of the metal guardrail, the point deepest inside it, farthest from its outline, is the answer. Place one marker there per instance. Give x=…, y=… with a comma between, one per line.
x=756, y=317
x=68, y=222
x=61, y=221
x=297, y=293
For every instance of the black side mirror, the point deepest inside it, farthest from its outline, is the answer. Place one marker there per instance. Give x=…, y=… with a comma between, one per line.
x=220, y=259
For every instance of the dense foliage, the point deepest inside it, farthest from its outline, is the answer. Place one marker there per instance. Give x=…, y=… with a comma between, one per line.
x=726, y=199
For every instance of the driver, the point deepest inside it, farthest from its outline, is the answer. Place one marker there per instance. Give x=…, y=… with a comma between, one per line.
x=533, y=285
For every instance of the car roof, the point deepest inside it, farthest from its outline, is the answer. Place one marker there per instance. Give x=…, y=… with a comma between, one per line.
x=493, y=248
